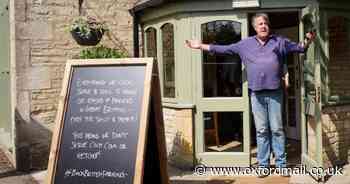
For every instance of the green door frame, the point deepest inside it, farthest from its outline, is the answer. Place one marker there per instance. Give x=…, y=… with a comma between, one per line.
x=5, y=95
x=219, y=104
x=310, y=93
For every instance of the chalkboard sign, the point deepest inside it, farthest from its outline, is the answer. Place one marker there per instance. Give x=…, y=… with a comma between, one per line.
x=102, y=124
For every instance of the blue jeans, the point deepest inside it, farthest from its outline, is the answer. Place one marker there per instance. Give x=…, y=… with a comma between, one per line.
x=267, y=112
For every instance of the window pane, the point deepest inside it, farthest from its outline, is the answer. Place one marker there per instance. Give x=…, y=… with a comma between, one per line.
x=168, y=60
x=151, y=40
x=223, y=131
x=222, y=74
x=339, y=54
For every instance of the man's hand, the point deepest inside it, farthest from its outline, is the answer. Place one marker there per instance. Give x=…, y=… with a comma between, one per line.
x=310, y=36
x=193, y=44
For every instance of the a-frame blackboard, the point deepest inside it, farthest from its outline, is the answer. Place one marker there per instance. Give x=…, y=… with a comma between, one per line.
x=109, y=125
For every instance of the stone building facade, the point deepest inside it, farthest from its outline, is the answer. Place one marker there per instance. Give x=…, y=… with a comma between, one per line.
x=336, y=119
x=43, y=44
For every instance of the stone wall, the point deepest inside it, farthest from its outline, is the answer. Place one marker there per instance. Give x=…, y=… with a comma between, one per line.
x=43, y=45
x=336, y=119
x=339, y=54
x=335, y=135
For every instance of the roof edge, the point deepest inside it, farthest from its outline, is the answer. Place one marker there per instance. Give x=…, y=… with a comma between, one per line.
x=146, y=4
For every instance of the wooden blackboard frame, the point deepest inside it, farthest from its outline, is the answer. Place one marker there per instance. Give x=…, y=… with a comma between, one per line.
x=144, y=114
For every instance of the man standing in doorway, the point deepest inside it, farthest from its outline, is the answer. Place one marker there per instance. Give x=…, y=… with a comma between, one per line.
x=263, y=56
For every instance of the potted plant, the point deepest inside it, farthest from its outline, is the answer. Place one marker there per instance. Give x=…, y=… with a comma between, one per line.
x=87, y=31
x=100, y=52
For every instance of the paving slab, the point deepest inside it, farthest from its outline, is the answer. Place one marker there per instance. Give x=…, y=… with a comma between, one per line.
x=180, y=177
x=341, y=179
x=18, y=179
x=302, y=179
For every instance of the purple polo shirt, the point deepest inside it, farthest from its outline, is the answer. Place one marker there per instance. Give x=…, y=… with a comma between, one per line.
x=263, y=63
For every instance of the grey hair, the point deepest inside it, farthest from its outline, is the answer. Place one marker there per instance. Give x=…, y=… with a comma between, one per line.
x=263, y=15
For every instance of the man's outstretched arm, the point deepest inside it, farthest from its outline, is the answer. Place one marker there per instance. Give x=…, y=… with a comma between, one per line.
x=196, y=44
x=302, y=46
x=217, y=49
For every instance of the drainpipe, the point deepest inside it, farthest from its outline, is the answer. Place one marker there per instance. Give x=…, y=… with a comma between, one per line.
x=135, y=32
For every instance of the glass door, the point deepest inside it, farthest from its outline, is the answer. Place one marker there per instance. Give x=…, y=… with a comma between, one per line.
x=311, y=90
x=222, y=128
x=292, y=94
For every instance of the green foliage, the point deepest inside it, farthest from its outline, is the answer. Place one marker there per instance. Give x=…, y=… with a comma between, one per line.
x=84, y=26
x=100, y=52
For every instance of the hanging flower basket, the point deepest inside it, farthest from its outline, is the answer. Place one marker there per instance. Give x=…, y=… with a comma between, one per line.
x=87, y=31
x=92, y=39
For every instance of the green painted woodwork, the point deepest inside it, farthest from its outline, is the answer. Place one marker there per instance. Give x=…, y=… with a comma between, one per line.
x=187, y=16
x=158, y=26
x=183, y=66
x=311, y=86
x=5, y=98
x=218, y=104
x=323, y=56
x=214, y=6
x=188, y=82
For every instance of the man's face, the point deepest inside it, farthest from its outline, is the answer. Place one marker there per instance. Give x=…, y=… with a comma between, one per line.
x=262, y=28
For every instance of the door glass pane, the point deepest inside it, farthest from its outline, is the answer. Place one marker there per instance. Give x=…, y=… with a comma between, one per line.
x=168, y=60
x=223, y=131
x=291, y=95
x=222, y=74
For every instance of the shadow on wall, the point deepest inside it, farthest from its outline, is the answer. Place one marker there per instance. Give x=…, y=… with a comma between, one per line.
x=33, y=144
x=336, y=129
x=181, y=153
x=337, y=146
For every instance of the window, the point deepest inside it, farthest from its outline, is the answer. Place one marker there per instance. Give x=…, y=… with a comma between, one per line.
x=339, y=53
x=168, y=60
x=151, y=43
x=222, y=74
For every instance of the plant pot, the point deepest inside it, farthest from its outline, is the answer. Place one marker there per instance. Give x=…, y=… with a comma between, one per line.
x=94, y=38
